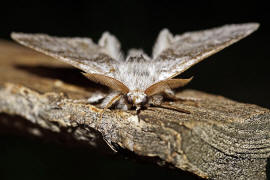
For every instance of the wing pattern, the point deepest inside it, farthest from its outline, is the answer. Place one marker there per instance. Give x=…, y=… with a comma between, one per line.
x=183, y=51
x=79, y=52
x=104, y=62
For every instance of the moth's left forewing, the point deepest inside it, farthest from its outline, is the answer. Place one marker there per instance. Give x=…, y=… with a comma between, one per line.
x=81, y=53
x=190, y=48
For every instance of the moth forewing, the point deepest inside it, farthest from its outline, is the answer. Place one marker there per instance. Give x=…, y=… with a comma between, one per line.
x=186, y=50
x=81, y=53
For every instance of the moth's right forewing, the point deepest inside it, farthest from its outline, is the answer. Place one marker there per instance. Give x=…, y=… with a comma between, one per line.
x=190, y=48
x=108, y=81
x=79, y=52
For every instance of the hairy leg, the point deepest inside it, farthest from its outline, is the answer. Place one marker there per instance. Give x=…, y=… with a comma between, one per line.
x=96, y=97
x=123, y=104
x=110, y=100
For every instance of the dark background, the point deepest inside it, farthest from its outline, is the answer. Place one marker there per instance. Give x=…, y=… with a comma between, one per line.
x=240, y=72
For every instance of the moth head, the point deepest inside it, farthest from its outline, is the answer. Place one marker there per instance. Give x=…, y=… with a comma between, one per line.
x=137, y=98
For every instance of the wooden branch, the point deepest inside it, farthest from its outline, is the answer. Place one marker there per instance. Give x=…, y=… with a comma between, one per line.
x=220, y=139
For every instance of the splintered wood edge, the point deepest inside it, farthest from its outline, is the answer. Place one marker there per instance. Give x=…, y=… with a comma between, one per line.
x=146, y=137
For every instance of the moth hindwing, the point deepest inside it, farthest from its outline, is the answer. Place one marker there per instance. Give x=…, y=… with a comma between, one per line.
x=137, y=80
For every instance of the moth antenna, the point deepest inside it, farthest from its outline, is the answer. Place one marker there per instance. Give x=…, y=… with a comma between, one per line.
x=166, y=84
x=107, y=81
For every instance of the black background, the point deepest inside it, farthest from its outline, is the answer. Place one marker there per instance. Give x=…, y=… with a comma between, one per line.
x=240, y=72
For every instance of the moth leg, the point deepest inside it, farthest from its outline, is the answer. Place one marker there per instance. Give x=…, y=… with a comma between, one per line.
x=157, y=101
x=108, y=98
x=96, y=97
x=113, y=100
x=123, y=104
x=169, y=93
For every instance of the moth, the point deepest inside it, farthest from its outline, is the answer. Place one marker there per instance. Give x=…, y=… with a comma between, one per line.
x=137, y=80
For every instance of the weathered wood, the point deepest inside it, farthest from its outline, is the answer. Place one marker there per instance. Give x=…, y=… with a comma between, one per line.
x=220, y=139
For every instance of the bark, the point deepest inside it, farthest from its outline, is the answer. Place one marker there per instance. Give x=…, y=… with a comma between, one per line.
x=219, y=139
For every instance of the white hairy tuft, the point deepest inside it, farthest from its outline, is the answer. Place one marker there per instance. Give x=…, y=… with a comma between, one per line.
x=111, y=46
x=163, y=42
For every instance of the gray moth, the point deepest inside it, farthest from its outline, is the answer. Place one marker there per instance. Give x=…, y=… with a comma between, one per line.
x=137, y=80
